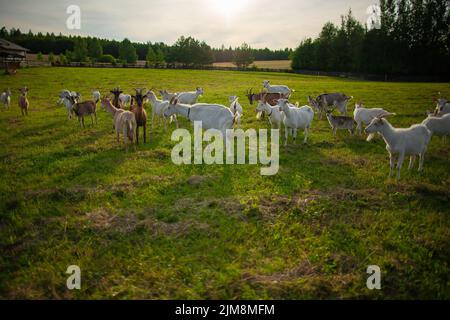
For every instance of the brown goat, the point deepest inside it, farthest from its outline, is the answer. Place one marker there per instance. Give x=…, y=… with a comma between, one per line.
x=270, y=98
x=139, y=113
x=116, y=101
x=23, y=101
x=84, y=108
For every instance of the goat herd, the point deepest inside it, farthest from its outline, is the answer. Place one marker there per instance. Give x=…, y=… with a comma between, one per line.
x=272, y=101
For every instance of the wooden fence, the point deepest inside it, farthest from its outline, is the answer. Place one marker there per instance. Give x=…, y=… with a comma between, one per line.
x=348, y=75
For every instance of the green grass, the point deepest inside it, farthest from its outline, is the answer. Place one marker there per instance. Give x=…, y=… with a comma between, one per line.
x=142, y=227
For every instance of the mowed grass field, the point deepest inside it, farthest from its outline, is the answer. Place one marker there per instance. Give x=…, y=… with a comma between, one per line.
x=141, y=227
x=273, y=64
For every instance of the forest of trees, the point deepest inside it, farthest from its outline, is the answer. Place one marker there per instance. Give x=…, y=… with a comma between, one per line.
x=186, y=50
x=413, y=39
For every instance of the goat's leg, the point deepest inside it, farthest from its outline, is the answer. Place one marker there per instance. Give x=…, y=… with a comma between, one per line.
x=286, y=136
x=401, y=158
x=153, y=121
x=125, y=138
x=92, y=119
x=421, y=160
x=392, y=163
x=412, y=160
x=306, y=136
x=294, y=133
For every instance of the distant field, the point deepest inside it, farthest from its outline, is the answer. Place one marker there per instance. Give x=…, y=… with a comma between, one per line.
x=141, y=227
x=276, y=64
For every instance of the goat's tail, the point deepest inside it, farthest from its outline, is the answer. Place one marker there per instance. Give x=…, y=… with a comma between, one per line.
x=130, y=129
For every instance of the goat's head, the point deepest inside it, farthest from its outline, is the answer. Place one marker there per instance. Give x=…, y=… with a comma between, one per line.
x=150, y=95
x=359, y=105
x=375, y=125
x=105, y=101
x=199, y=91
x=378, y=123
x=23, y=91
x=283, y=104
x=139, y=97
x=441, y=102
x=116, y=92
x=232, y=99
x=313, y=102
x=262, y=106
x=266, y=83
x=171, y=109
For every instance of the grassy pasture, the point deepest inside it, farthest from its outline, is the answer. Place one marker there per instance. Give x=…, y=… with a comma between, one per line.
x=142, y=227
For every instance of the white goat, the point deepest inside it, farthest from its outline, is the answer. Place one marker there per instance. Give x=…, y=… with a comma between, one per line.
x=277, y=89
x=124, y=121
x=167, y=96
x=296, y=118
x=439, y=126
x=5, y=97
x=189, y=97
x=212, y=116
x=402, y=142
x=125, y=99
x=276, y=117
x=236, y=108
x=442, y=107
x=68, y=99
x=96, y=95
x=364, y=116
x=158, y=108
x=76, y=95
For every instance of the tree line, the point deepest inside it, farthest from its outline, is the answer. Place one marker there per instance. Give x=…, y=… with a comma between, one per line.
x=412, y=38
x=186, y=50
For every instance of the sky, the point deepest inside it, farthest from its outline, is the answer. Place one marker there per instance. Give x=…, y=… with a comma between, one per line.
x=260, y=23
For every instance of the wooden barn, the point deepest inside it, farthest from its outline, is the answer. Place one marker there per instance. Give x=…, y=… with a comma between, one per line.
x=11, y=55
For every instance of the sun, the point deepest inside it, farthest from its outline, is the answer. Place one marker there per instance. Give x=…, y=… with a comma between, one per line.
x=228, y=7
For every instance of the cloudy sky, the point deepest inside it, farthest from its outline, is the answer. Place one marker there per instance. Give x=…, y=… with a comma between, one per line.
x=261, y=23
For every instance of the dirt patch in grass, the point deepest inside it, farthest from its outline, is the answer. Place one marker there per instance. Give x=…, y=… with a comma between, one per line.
x=304, y=281
x=197, y=180
x=158, y=154
x=56, y=193
x=15, y=122
x=105, y=220
x=304, y=269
